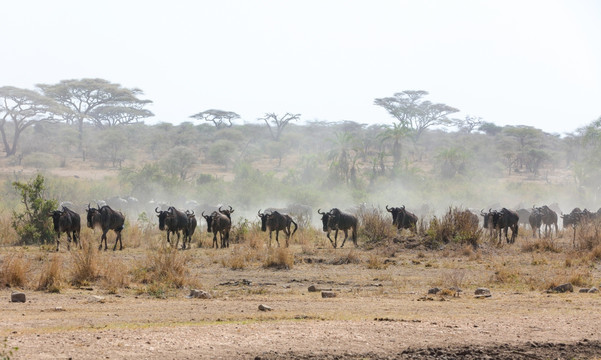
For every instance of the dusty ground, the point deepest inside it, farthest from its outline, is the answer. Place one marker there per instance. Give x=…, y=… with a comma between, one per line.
x=382, y=313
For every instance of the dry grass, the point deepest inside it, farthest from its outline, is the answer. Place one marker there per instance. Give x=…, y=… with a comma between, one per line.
x=114, y=274
x=544, y=244
x=163, y=270
x=51, y=277
x=375, y=263
x=279, y=258
x=85, y=268
x=13, y=270
x=455, y=226
x=588, y=235
x=8, y=236
x=350, y=257
x=374, y=225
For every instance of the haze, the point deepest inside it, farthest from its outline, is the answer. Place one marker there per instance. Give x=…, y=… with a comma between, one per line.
x=510, y=62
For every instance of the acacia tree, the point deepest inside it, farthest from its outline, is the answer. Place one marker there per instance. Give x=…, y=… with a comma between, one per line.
x=97, y=101
x=415, y=113
x=276, y=124
x=468, y=124
x=217, y=117
x=20, y=109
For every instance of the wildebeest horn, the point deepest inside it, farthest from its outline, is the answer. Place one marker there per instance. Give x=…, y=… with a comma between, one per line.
x=98, y=205
x=157, y=210
x=482, y=212
x=220, y=209
x=403, y=207
x=259, y=213
x=320, y=212
x=88, y=209
x=232, y=210
x=387, y=209
x=202, y=214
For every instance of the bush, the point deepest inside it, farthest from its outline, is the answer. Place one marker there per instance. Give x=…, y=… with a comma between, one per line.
x=85, y=265
x=13, y=270
x=51, y=279
x=33, y=226
x=163, y=270
x=374, y=225
x=40, y=160
x=456, y=226
x=279, y=258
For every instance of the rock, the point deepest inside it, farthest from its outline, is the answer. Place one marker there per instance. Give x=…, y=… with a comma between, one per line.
x=482, y=291
x=265, y=308
x=328, y=294
x=434, y=291
x=96, y=298
x=313, y=288
x=593, y=290
x=199, y=294
x=562, y=288
x=59, y=308
x=17, y=297
x=584, y=290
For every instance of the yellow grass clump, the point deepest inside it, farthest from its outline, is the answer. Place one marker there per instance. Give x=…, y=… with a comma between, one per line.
x=279, y=258
x=13, y=270
x=51, y=277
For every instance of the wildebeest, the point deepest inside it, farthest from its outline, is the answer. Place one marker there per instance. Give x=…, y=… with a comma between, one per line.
x=508, y=219
x=220, y=222
x=338, y=220
x=535, y=219
x=576, y=217
x=66, y=221
x=325, y=217
x=192, y=223
x=107, y=219
x=491, y=221
x=524, y=215
x=173, y=221
x=402, y=218
x=275, y=221
x=549, y=218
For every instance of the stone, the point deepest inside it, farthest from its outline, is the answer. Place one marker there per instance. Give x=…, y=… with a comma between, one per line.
x=593, y=290
x=313, y=288
x=199, y=294
x=434, y=291
x=265, y=308
x=17, y=297
x=96, y=298
x=563, y=288
x=328, y=294
x=482, y=291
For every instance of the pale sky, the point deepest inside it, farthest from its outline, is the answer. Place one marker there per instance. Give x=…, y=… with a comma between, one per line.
x=524, y=62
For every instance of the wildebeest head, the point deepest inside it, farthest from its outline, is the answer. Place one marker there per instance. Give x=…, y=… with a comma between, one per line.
x=162, y=215
x=209, y=220
x=395, y=213
x=264, y=217
x=227, y=213
x=93, y=216
x=56, y=215
x=325, y=217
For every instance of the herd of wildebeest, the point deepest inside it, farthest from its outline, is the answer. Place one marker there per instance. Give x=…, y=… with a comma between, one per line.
x=219, y=222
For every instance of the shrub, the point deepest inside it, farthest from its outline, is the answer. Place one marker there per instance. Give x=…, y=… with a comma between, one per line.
x=33, y=225
x=279, y=258
x=374, y=226
x=51, y=279
x=85, y=265
x=456, y=226
x=13, y=270
x=375, y=263
x=162, y=270
x=114, y=275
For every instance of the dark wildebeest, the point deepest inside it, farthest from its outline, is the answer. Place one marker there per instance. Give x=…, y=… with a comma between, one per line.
x=192, y=223
x=220, y=222
x=325, y=217
x=524, y=215
x=508, y=219
x=575, y=218
x=535, y=219
x=491, y=221
x=66, y=221
x=337, y=220
x=173, y=221
x=107, y=219
x=549, y=218
x=402, y=218
x=274, y=221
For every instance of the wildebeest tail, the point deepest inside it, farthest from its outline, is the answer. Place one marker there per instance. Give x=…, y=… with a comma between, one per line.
x=295, y=227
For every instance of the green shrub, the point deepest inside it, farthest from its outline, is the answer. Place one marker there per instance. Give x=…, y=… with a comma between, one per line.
x=33, y=226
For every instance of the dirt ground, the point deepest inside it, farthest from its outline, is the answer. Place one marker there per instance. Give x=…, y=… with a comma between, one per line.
x=377, y=314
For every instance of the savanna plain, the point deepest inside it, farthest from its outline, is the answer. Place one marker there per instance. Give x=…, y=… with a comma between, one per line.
x=134, y=303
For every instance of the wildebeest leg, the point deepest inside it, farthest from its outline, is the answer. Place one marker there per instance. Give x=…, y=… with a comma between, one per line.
x=215, y=243
x=329, y=238
x=118, y=238
x=103, y=237
x=277, y=237
x=345, y=237
x=336, y=239
x=68, y=241
x=58, y=240
x=177, y=241
x=287, y=233
x=168, y=241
